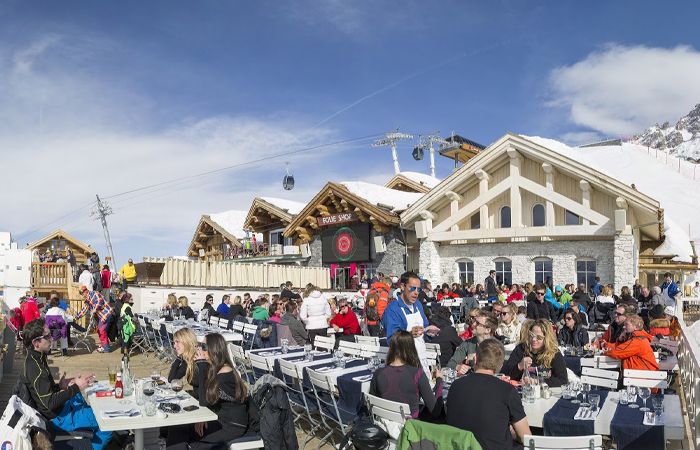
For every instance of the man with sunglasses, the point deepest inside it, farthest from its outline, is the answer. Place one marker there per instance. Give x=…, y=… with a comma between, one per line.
x=617, y=326
x=406, y=313
x=61, y=403
x=539, y=308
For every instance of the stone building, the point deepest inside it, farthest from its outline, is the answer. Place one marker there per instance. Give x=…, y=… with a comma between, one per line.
x=535, y=210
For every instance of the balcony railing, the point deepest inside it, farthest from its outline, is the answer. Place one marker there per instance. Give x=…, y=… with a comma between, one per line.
x=48, y=276
x=689, y=364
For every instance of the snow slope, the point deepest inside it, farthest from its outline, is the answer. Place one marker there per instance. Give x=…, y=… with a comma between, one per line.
x=678, y=196
x=376, y=195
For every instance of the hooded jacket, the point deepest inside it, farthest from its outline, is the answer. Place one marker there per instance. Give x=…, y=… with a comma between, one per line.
x=382, y=289
x=635, y=352
x=315, y=311
x=578, y=337
x=276, y=418
x=418, y=435
x=660, y=326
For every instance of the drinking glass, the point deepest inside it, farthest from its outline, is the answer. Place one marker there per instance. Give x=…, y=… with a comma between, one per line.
x=624, y=398
x=285, y=345
x=658, y=404
x=149, y=388
x=308, y=348
x=644, y=394
x=566, y=391
x=585, y=389
x=150, y=408
x=112, y=373
x=594, y=400
x=632, y=396
x=155, y=375
x=138, y=393
x=575, y=388
x=176, y=386
x=529, y=393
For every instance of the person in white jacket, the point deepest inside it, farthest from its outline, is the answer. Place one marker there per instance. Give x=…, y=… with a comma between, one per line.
x=315, y=313
x=86, y=279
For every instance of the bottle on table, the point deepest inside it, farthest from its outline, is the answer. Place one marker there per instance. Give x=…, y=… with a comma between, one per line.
x=119, y=387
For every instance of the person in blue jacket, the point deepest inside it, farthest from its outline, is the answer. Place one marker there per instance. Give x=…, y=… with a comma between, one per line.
x=597, y=287
x=669, y=290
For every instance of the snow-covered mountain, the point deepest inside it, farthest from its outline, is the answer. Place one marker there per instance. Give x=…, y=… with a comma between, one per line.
x=681, y=139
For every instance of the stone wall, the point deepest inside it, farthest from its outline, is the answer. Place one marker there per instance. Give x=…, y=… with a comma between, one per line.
x=439, y=262
x=316, y=253
x=624, y=257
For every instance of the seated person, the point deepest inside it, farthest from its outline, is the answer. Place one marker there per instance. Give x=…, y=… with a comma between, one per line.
x=572, y=333
x=445, y=293
x=403, y=379
x=185, y=311
x=658, y=322
x=221, y=390
x=484, y=327
x=60, y=403
x=236, y=309
x=539, y=308
x=538, y=348
x=447, y=338
x=634, y=346
x=276, y=311
x=509, y=326
x=262, y=309
x=615, y=329
x=346, y=319
x=468, y=332
x=296, y=327
x=576, y=306
x=488, y=407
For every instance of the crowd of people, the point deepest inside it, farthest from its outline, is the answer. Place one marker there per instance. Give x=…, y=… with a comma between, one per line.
x=535, y=320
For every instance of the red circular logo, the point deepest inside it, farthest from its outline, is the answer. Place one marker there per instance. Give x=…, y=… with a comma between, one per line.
x=344, y=243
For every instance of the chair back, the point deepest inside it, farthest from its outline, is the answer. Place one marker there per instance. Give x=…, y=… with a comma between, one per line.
x=350, y=348
x=249, y=331
x=591, y=442
x=396, y=412
x=323, y=390
x=601, y=362
x=238, y=326
x=599, y=377
x=645, y=378
x=324, y=342
x=433, y=348
x=259, y=362
x=367, y=340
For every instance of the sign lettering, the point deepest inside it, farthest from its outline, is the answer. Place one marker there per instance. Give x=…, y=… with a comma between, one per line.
x=335, y=219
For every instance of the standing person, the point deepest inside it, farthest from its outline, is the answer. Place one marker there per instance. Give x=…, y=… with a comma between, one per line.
x=96, y=304
x=539, y=349
x=70, y=258
x=597, y=287
x=288, y=293
x=481, y=403
x=490, y=286
x=61, y=403
x=315, y=313
x=296, y=327
x=223, y=307
x=106, y=277
x=696, y=289
x=407, y=314
x=94, y=261
x=128, y=273
x=636, y=289
x=126, y=321
x=347, y=320
x=54, y=316
x=86, y=278
x=221, y=390
x=372, y=315
x=670, y=291
x=29, y=309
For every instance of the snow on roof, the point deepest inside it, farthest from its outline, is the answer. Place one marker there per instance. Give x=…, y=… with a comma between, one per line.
x=630, y=164
x=290, y=206
x=422, y=178
x=232, y=221
x=376, y=195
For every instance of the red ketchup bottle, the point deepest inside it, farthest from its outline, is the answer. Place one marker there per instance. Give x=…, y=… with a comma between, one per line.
x=119, y=387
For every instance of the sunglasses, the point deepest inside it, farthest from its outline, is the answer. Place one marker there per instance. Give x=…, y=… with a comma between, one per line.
x=413, y=288
x=472, y=317
x=536, y=337
x=568, y=318
x=46, y=336
x=539, y=293
x=503, y=313
x=619, y=314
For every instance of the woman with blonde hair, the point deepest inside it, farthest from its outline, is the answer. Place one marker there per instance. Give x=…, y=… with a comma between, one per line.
x=185, y=309
x=236, y=309
x=185, y=344
x=606, y=296
x=538, y=349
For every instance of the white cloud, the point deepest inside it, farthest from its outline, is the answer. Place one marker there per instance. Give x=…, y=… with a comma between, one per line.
x=621, y=90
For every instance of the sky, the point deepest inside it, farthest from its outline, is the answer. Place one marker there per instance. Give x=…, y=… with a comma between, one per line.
x=106, y=98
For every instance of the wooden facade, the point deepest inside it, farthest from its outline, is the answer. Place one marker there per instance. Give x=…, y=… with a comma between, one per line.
x=401, y=182
x=59, y=241
x=211, y=242
x=264, y=217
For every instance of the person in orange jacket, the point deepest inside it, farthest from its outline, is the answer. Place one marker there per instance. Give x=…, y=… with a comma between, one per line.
x=383, y=289
x=634, y=347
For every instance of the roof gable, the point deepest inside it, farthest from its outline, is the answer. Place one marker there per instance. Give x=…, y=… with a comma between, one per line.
x=274, y=208
x=74, y=243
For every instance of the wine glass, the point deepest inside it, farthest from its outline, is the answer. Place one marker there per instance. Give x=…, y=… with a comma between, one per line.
x=585, y=388
x=593, y=400
x=632, y=396
x=149, y=388
x=575, y=388
x=155, y=375
x=176, y=385
x=644, y=393
x=658, y=404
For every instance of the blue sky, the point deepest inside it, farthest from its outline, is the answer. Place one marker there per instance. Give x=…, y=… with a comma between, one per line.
x=103, y=97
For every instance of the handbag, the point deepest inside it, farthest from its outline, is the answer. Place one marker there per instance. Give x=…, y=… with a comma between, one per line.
x=16, y=423
x=365, y=435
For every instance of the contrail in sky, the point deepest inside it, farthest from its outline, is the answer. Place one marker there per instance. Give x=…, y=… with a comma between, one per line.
x=409, y=77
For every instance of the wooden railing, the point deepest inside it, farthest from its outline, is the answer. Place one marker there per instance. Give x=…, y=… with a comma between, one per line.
x=47, y=276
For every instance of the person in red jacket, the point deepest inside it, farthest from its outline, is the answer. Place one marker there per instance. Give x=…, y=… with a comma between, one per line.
x=29, y=308
x=446, y=293
x=347, y=320
x=634, y=346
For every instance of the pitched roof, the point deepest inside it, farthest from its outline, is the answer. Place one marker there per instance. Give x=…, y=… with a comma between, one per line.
x=382, y=196
x=418, y=182
x=60, y=233
x=289, y=206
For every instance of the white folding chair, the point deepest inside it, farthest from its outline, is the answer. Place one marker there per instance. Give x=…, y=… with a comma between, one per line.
x=601, y=362
x=297, y=395
x=260, y=363
x=247, y=443
x=238, y=326
x=83, y=339
x=591, y=442
x=350, y=348
x=645, y=378
x=249, y=331
x=324, y=342
x=599, y=377
x=368, y=340
x=433, y=348
x=332, y=417
x=388, y=415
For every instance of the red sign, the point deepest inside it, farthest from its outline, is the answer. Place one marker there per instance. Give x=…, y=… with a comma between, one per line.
x=336, y=219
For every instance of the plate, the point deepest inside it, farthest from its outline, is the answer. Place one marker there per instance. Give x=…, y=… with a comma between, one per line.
x=167, y=407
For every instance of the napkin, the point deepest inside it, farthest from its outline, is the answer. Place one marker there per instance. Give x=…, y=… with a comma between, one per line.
x=363, y=378
x=326, y=369
x=270, y=353
x=584, y=413
x=657, y=420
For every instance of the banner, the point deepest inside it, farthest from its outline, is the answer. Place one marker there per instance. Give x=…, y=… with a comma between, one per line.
x=346, y=244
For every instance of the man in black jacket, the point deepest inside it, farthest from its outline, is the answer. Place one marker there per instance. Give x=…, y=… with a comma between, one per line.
x=61, y=403
x=287, y=292
x=541, y=309
x=490, y=287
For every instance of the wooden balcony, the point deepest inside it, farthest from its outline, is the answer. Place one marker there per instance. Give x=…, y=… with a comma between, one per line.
x=51, y=276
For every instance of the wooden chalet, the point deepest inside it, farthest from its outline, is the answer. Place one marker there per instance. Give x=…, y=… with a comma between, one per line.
x=412, y=182
x=213, y=240
x=269, y=217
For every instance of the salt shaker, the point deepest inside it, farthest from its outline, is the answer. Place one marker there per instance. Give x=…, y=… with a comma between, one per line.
x=546, y=393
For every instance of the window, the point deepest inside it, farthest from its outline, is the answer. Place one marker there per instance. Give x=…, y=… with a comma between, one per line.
x=504, y=274
x=543, y=270
x=538, y=216
x=277, y=238
x=505, y=217
x=466, y=272
x=476, y=221
x=585, y=272
x=572, y=219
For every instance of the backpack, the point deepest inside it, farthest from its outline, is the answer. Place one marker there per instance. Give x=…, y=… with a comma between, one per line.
x=17, y=422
